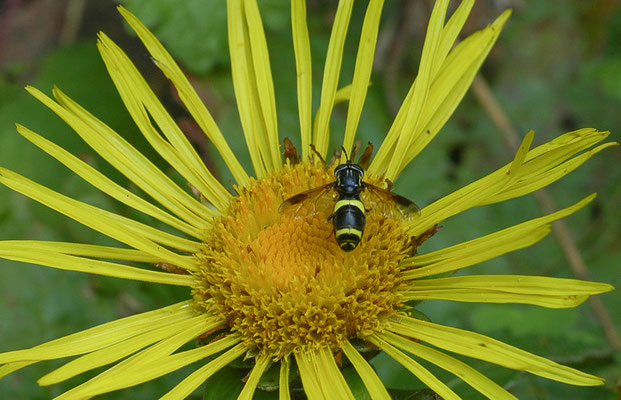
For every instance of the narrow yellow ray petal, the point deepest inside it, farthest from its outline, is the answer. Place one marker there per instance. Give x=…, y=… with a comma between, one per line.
x=101, y=336
x=263, y=77
x=106, y=185
x=452, y=82
x=526, y=186
x=471, y=376
x=415, y=368
x=535, y=290
x=138, y=99
x=245, y=93
x=261, y=364
x=17, y=251
x=117, y=351
x=499, y=242
x=331, y=74
x=165, y=348
x=450, y=32
x=153, y=362
x=520, y=156
x=585, y=138
x=313, y=388
x=371, y=381
x=485, y=348
x=125, y=158
x=343, y=94
x=422, y=85
x=524, y=284
x=125, y=230
x=160, y=367
x=495, y=184
x=196, y=378
x=330, y=377
x=362, y=70
x=487, y=247
x=12, y=367
x=536, y=167
x=187, y=94
x=452, y=76
x=87, y=250
x=283, y=382
x=301, y=48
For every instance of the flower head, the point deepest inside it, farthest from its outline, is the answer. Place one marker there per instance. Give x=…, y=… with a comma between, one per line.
x=274, y=287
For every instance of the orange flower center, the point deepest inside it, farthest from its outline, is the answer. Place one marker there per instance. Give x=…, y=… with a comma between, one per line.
x=283, y=282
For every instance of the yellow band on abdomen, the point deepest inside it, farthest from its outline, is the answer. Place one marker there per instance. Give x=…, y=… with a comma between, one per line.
x=355, y=203
x=348, y=231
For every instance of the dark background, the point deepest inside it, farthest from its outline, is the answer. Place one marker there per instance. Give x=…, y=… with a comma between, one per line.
x=555, y=68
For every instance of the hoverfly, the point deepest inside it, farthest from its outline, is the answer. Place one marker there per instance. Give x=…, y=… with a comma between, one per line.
x=343, y=197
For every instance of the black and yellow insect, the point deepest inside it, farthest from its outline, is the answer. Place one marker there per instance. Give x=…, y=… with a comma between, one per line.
x=348, y=207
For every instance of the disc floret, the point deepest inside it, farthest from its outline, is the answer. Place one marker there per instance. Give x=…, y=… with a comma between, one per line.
x=283, y=282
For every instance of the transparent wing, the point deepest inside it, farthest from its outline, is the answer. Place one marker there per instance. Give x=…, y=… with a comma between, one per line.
x=316, y=200
x=390, y=204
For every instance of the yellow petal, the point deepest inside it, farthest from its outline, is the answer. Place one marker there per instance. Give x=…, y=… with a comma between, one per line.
x=49, y=257
x=450, y=32
x=301, y=47
x=415, y=368
x=330, y=377
x=452, y=75
x=541, y=166
x=535, y=290
x=126, y=159
x=471, y=376
x=452, y=82
x=145, y=107
x=331, y=74
x=485, y=348
x=343, y=94
x=12, y=367
x=263, y=77
x=487, y=247
x=152, y=362
x=187, y=94
x=283, y=382
x=371, y=381
x=125, y=230
x=100, y=336
x=533, y=183
x=198, y=377
x=244, y=84
x=422, y=85
x=362, y=70
x=106, y=185
x=81, y=249
x=261, y=364
x=117, y=351
x=313, y=386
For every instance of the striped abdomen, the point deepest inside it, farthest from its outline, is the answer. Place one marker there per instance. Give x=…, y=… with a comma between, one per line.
x=348, y=220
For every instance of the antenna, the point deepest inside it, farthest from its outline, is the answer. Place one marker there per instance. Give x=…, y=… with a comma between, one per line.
x=346, y=155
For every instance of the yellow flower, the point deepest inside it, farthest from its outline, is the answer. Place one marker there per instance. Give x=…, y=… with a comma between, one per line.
x=276, y=288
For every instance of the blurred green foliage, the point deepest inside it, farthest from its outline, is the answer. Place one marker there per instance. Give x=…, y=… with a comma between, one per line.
x=554, y=69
